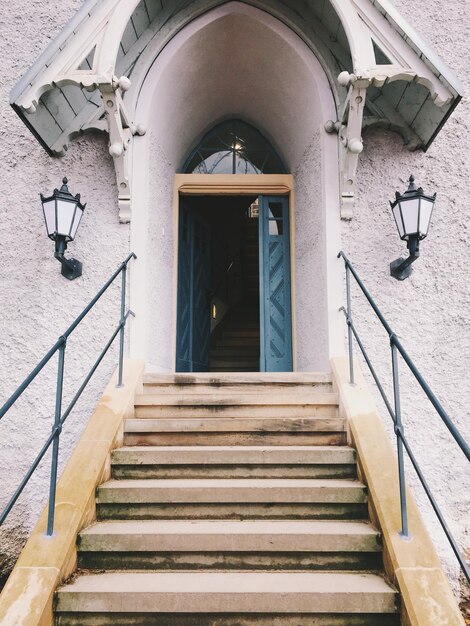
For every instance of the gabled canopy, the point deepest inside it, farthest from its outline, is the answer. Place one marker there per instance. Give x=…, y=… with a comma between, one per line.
x=364, y=46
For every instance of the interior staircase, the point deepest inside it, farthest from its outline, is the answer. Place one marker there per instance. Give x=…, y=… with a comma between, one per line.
x=233, y=501
x=236, y=346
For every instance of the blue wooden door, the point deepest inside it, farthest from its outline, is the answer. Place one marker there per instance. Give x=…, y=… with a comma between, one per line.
x=194, y=284
x=275, y=285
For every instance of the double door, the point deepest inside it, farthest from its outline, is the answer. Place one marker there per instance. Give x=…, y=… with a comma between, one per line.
x=195, y=284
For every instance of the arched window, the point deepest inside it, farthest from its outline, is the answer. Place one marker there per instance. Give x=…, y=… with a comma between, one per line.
x=234, y=147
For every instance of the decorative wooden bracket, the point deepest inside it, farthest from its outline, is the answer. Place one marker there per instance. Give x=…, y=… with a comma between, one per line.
x=349, y=130
x=121, y=131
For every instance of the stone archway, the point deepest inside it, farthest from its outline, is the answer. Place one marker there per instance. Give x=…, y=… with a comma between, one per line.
x=272, y=80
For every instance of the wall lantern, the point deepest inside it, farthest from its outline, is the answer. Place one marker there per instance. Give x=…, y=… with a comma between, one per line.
x=412, y=212
x=62, y=214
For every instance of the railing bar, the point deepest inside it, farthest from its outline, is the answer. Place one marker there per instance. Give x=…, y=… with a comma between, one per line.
x=29, y=379
x=122, y=325
x=26, y=478
x=465, y=447
x=91, y=372
x=87, y=309
x=398, y=432
x=425, y=387
x=50, y=439
x=374, y=374
x=367, y=294
x=448, y=533
x=55, y=445
x=349, y=322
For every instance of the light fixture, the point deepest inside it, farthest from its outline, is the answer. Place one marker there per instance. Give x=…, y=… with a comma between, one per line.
x=62, y=214
x=412, y=212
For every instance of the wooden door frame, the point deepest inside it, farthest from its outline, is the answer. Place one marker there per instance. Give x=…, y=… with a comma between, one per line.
x=234, y=185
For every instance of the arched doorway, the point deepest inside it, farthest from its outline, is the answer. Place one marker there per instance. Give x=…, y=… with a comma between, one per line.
x=273, y=81
x=234, y=280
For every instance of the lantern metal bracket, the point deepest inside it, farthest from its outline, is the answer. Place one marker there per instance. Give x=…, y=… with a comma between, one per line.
x=71, y=268
x=401, y=268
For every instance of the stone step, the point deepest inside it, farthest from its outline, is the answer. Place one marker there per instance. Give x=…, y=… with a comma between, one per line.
x=233, y=462
x=222, y=410
x=235, y=438
x=232, y=499
x=227, y=593
x=204, y=544
x=235, y=388
x=247, y=380
x=233, y=431
x=236, y=425
x=290, y=398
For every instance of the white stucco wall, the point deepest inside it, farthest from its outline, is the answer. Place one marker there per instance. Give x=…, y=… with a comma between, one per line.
x=430, y=311
x=37, y=303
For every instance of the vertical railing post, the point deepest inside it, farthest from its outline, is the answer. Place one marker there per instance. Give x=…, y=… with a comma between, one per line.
x=398, y=431
x=350, y=334
x=123, y=323
x=55, y=444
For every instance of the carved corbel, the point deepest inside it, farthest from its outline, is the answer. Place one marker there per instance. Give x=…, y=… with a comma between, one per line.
x=349, y=127
x=121, y=132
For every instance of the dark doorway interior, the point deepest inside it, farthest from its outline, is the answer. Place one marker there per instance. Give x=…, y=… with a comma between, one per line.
x=232, y=283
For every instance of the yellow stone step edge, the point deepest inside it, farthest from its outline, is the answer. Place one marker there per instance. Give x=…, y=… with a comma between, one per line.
x=45, y=562
x=413, y=565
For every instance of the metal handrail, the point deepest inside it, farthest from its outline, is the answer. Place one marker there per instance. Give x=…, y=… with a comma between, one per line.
x=59, y=416
x=396, y=413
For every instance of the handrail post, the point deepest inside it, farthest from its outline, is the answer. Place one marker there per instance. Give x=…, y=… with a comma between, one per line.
x=349, y=322
x=123, y=324
x=55, y=444
x=399, y=431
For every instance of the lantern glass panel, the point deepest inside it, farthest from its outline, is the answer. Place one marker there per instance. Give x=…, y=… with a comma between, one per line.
x=65, y=211
x=397, y=216
x=76, y=222
x=425, y=216
x=49, y=216
x=410, y=212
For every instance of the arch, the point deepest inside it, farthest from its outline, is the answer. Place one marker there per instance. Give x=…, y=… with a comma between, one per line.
x=272, y=81
x=233, y=147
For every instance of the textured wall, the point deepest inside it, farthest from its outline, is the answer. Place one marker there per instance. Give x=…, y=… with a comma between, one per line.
x=37, y=304
x=430, y=310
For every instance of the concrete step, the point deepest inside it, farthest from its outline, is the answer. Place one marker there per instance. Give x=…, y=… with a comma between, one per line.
x=235, y=438
x=235, y=388
x=285, y=397
x=269, y=593
x=235, y=425
x=222, y=410
x=232, y=499
x=233, y=462
x=260, y=378
x=249, y=545
x=233, y=431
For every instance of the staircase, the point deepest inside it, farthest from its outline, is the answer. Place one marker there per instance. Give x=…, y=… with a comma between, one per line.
x=234, y=501
x=237, y=344
x=236, y=348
